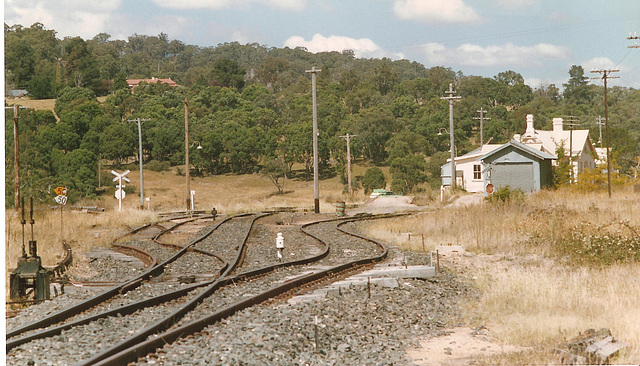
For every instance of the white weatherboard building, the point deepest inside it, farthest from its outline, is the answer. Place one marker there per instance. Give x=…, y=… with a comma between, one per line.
x=575, y=143
x=469, y=169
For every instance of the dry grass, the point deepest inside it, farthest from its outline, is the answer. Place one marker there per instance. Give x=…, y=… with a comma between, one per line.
x=529, y=297
x=167, y=192
x=40, y=104
x=232, y=193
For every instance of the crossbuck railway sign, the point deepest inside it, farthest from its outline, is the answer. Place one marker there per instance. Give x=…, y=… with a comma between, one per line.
x=119, y=191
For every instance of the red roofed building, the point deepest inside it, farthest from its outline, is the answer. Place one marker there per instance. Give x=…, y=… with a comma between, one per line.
x=134, y=82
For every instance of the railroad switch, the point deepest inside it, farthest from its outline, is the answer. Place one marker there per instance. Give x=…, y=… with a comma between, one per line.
x=30, y=275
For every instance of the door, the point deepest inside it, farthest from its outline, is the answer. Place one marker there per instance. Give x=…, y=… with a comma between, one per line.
x=514, y=175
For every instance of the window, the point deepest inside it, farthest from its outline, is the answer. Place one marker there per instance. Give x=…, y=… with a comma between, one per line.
x=477, y=172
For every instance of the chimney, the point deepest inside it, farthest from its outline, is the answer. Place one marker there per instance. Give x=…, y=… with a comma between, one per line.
x=557, y=125
x=530, y=129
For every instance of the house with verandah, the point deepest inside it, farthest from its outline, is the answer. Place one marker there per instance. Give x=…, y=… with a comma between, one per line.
x=575, y=144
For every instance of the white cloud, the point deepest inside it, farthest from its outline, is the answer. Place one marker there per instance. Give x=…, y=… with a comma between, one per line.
x=508, y=55
x=84, y=18
x=435, y=11
x=292, y=5
x=363, y=47
x=598, y=63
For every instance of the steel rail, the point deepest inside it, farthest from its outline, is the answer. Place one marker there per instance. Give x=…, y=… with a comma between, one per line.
x=175, y=316
x=151, y=344
x=116, y=290
x=131, y=308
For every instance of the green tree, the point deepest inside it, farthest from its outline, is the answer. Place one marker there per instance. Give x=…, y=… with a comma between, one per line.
x=80, y=68
x=118, y=142
x=69, y=97
x=407, y=169
x=376, y=126
x=78, y=172
x=228, y=73
x=276, y=171
x=576, y=89
x=373, y=179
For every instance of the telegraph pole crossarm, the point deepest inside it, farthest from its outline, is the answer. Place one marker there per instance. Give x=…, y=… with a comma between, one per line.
x=635, y=36
x=451, y=98
x=606, y=119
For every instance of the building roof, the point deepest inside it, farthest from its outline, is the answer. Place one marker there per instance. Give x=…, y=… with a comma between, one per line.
x=475, y=154
x=522, y=147
x=550, y=141
x=134, y=82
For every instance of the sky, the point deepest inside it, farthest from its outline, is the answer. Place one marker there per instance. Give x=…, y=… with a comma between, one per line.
x=540, y=39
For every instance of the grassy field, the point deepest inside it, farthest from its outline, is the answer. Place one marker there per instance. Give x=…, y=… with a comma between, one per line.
x=166, y=191
x=534, y=263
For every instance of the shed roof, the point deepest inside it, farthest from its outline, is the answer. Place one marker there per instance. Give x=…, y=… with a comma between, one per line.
x=522, y=147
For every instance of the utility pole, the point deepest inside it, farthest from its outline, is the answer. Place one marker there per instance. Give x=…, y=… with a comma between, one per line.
x=16, y=156
x=348, y=138
x=186, y=150
x=600, y=123
x=606, y=119
x=451, y=98
x=571, y=123
x=481, y=118
x=139, y=122
x=316, y=193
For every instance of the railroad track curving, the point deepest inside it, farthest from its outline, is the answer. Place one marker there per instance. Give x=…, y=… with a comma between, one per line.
x=317, y=252
x=122, y=289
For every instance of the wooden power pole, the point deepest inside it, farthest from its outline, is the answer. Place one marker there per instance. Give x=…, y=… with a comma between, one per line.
x=605, y=76
x=451, y=98
x=316, y=190
x=348, y=138
x=481, y=118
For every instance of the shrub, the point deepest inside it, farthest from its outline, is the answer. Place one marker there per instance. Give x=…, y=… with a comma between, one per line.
x=507, y=195
x=603, y=245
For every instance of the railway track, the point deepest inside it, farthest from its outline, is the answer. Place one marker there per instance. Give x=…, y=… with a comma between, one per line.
x=316, y=252
x=108, y=297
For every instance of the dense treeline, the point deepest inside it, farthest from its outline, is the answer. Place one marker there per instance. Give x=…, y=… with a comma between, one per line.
x=250, y=109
